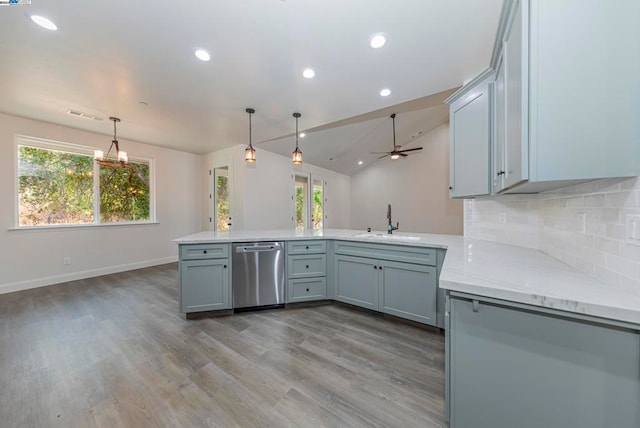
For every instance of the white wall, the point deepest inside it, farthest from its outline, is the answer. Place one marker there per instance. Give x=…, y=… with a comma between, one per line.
x=417, y=187
x=550, y=222
x=261, y=192
x=30, y=258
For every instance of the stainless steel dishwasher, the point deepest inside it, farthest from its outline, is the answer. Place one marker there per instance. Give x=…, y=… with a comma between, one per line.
x=258, y=274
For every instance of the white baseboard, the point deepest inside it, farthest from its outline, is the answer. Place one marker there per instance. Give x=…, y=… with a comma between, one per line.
x=74, y=276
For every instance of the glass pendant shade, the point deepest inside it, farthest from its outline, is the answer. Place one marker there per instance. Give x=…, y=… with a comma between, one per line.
x=250, y=154
x=296, y=157
x=395, y=156
x=98, y=155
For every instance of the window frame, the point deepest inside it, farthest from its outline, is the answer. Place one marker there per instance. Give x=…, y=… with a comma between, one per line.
x=46, y=144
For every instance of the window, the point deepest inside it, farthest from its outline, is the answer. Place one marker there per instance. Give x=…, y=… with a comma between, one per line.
x=309, y=202
x=62, y=184
x=221, y=199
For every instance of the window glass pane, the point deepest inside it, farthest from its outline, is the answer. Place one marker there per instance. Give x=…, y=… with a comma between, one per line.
x=301, y=192
x=221, y=177
x=54, y=187
x=124, y=193
x=318, y=204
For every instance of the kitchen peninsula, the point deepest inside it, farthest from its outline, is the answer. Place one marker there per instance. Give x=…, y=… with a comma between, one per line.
x=516, y=319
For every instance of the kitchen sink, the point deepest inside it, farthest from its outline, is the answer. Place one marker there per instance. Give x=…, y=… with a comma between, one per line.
x=387, y=237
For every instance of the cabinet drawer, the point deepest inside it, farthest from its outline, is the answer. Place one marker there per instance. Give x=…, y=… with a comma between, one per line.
x=307, y=266
x=306, y=289
x=204, y=251
x=306, y=247
x=396, y=253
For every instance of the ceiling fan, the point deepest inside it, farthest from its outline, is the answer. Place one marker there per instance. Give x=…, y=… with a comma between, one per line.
x=396, y=152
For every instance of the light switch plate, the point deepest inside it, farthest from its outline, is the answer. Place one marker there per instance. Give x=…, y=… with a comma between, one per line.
x=502, y=217
x=581, y=223
x=633, y=229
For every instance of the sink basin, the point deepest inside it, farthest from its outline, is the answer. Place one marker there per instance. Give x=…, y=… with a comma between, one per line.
x=387, y=237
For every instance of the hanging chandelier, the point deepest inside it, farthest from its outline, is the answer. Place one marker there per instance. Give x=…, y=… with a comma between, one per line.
x=296, y=155
x=120, y=159
x=250, y=152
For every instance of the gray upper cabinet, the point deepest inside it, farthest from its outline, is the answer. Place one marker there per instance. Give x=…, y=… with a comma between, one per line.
x=470, y=116
x=566, y=95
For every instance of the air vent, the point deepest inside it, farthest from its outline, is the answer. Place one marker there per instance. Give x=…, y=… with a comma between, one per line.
x=83, y=115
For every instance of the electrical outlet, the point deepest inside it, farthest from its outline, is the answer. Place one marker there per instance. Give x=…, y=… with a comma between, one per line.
x=502, y=218
x=581, y=223
x=66, y=261
x=633, y=229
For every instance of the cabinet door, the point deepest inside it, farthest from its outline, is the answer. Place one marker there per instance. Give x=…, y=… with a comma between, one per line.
x=499, y=123
x=408, y=291
x=204, y=285
x=517, y=142
x=516, y=368
x=356, y=281
x=470, y=138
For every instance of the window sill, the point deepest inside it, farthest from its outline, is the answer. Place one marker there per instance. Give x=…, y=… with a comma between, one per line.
x=80, y=226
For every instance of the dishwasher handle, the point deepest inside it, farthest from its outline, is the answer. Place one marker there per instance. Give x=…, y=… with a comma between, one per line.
x=256, y=249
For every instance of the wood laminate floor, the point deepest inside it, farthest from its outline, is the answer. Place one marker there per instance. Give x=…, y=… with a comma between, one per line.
x=113, y=351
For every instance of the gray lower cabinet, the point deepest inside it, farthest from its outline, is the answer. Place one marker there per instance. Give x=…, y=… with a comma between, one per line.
x=204, y=278
x=356, y=281
x=521, y=367
x=306, y=271
x=405, y=290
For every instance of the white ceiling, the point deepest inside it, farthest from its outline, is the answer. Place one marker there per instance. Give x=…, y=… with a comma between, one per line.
x=108, y=56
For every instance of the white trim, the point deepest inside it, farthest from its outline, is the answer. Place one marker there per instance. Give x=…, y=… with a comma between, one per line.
x=57, y=279
x=80, y=226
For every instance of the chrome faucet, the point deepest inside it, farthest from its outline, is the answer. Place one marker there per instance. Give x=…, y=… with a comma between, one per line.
x=391, y=227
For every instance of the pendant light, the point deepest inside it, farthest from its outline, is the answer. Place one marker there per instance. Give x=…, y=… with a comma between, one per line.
x=296, y=156
x=121, y=159
x=250, y=152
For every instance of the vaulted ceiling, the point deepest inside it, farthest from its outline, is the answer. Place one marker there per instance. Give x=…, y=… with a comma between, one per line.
x=135, y=60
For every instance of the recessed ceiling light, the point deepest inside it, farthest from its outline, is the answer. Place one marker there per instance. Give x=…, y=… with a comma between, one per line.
x=44, y=22
x=203, y=55
x=360, y=162
x=308, y=73
x=377, y=41
x=302, y=135
x=385, y=92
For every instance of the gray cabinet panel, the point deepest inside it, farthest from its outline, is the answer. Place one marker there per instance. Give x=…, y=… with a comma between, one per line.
x=307, y=266
x=518, y=368
x=306, y=247
x=470, y=142
x=203, y=251
x=204, y=285
x=356, y=281
x=408, y=291
x=306, y=289
x=397, y=253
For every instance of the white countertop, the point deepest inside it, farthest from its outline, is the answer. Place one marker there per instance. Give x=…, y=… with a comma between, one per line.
x=482, y=268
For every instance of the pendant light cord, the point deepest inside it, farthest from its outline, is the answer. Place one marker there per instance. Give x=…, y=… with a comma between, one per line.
x=296, y=132
x=393, y=118
x=250, y=141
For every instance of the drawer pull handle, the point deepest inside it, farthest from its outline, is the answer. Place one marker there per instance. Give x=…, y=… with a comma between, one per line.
x=205, y=251
x=375, y=267
x=225, y=266
x=307, y=247
x=307, y=290
x=307, y=266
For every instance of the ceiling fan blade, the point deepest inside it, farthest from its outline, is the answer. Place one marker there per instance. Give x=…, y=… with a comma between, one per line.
x=382, y=157
x=378, y=153
x=403, y=155
x=409, y=150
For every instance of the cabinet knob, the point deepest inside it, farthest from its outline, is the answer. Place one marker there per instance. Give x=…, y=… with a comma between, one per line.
x=450, y=187
x=307, y=266
x=380, y=267
x=307, y=290
x=204, y=252
x=375, y=267
x=500, y=173
x=307, y=247
x=225, y=266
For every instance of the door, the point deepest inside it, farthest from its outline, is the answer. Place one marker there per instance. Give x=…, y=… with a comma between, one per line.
x=356, y=281
x=204, y=285
x=470, y=144
x=408, y=291
x=221, y=199
x=516, y=138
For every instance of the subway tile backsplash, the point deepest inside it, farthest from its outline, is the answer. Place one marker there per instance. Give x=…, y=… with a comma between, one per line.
x=588, y=226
